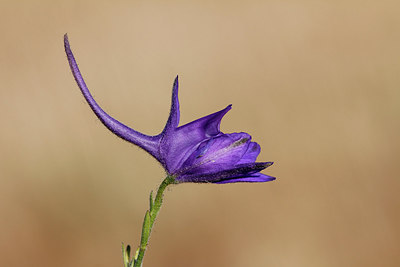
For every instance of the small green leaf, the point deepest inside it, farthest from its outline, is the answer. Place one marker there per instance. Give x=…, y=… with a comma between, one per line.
x=151, y=201
x=145, y=230
x=126, y=254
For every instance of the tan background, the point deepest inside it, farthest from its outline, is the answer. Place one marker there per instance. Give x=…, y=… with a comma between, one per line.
x=316, y=83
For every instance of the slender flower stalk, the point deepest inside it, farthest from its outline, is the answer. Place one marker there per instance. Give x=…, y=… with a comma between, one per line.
x=148, y=222
x=150, y=218
x=196, y=152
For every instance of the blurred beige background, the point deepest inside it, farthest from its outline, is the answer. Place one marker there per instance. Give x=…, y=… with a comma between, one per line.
x=316, y=83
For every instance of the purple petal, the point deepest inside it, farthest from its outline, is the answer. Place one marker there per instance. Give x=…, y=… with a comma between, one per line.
x=251, y=154
x=174, y=114
x=216, y=154
x=176, y=146
x=148, y=143
x=255, y=178
x=209, y=125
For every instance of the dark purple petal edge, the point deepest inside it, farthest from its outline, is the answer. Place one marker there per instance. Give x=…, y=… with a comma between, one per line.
x=240, y=171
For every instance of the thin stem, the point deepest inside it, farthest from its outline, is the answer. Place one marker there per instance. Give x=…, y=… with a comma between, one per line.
x=150, y=218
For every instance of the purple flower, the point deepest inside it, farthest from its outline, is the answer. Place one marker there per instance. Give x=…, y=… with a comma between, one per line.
x=195, y=152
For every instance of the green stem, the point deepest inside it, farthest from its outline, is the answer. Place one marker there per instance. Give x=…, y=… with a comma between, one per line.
x=150, y=217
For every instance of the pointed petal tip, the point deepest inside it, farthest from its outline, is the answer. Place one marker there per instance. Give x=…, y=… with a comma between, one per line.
x=263, y=178
x=267, y=164
x=262, y=165
x=176, y=82
x=174, y=114
x=225, y=110
x=67, y=47
x=66, y=42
